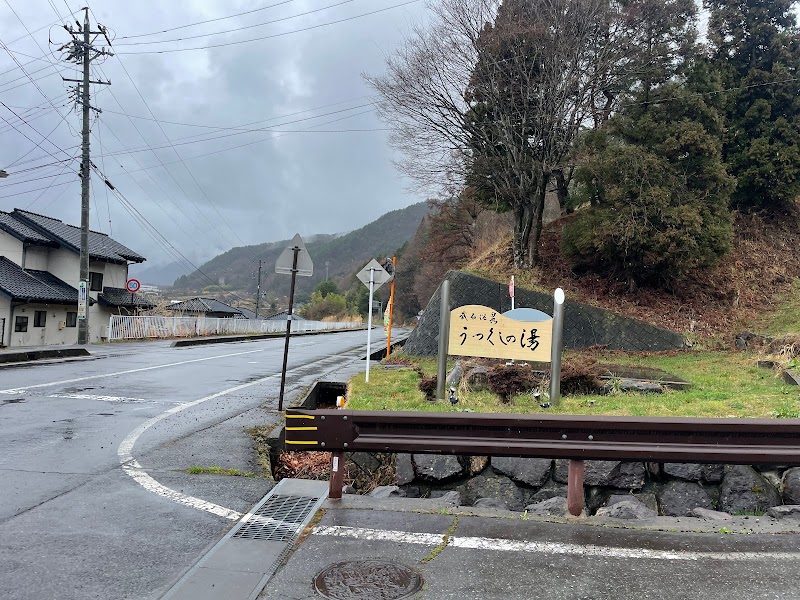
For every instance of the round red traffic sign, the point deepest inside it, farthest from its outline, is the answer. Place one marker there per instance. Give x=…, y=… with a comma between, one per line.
x=133, y=285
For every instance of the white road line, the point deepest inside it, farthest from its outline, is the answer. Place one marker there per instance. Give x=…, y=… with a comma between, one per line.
x=108, y=398
x=22, y=390
x=134, y=469
x=500, y=545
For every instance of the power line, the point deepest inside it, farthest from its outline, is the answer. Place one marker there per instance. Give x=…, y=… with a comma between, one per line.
x=163, y=191
x=201, y=35
x=157, y=236
x=10, y=81
x=45, y=96
x=241, y=127
x=269, y=129
x=251, y=143
x=266, y=37
x=103, y=163
x=47, y=137
x=185, y=166
x=40, y=178
x=34, y=168
x=30, y=117
x=248, y=12
x=24, y=83
x=61, y=193
x=164, y=166
x=37, y=144
x=34, y=190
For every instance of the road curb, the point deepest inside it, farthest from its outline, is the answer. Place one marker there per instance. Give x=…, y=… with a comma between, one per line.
x=247, y=338
x=23, y=356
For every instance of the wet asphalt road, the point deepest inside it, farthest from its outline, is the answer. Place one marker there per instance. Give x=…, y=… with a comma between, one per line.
x=73, y=522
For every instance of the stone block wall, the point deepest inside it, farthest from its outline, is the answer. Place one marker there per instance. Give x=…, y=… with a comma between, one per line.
x=584, y=325
x=668, y=489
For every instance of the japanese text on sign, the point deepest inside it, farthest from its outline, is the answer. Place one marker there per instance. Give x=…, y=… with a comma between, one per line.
x=482, y=331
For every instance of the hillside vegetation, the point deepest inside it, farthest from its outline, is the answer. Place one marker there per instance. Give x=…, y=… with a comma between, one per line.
x=666, y=161
x=755, y=286
x=346, y=254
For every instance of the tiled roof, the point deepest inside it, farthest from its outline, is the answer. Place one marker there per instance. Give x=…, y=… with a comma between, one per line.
x=204, y=305
x=248, y=314
x=22, y=232
x=281, y=316
x=112, y=296
x=35, y=286
x=101, y=246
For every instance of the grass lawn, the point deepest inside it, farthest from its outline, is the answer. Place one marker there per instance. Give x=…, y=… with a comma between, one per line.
x=785, y=319
x=724, y=384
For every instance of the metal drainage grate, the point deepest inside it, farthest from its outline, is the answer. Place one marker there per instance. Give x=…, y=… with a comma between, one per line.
x=278, y=519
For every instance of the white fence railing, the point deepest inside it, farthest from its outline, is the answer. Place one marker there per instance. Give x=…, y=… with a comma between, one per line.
x=138, y=328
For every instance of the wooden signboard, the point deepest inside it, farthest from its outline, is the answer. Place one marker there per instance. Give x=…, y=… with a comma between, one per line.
x=482, y=331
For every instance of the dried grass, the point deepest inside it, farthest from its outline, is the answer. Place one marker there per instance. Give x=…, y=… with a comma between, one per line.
x=711, y=305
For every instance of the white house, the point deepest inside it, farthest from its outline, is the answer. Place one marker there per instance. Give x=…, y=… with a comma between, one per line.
x=39, y=276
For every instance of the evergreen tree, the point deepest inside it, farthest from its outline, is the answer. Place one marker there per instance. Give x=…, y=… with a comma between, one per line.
x=658, y=184
x=755, y=46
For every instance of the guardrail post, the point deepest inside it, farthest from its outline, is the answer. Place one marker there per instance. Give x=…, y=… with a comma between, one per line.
x=575, y=503
x=337, y=465
x=337, y=476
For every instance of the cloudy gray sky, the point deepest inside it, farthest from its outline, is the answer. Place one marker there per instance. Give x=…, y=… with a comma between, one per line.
x=334, y=176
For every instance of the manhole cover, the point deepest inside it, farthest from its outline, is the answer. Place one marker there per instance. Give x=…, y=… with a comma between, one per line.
x=367, y=580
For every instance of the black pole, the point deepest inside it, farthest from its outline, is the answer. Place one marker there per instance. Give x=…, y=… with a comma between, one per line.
x=296, y=251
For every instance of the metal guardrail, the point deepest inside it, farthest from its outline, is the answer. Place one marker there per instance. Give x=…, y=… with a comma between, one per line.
x=575, y=437
x=548, y=436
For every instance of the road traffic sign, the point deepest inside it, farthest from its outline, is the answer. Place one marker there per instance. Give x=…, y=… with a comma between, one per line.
x=133, y=285
x=378, y=277
x=305, y=267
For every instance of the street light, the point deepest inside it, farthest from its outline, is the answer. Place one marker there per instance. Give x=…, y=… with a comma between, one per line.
x=3, y=174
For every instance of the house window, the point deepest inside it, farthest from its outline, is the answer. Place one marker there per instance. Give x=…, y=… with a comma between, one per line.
x=39, y=318
x=95, y=282
x=21, y=324
x=72, y=319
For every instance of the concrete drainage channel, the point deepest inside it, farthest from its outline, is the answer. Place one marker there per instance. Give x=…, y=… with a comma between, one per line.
x=240, y=564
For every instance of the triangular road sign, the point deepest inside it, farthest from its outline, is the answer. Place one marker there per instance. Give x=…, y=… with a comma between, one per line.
x=305, y=268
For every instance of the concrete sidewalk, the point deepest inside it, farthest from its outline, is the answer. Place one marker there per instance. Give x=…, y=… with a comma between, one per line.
x=398, y=548
x=368, y=548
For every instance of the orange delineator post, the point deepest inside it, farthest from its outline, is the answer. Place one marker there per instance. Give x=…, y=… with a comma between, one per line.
x=391, y=311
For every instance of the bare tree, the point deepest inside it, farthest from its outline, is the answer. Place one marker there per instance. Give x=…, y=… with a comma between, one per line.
x=493, y=94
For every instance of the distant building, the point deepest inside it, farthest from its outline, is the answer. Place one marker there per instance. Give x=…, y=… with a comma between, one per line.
x=281, y=316
x=250, y=314
x=150, y=290
x=206, y=307
x=39, y=277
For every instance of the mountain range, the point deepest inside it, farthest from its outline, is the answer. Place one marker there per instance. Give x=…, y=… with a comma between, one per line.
x=337, y=256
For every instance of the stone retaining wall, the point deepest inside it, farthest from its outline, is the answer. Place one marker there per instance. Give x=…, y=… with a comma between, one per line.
x=669, y=489
x=584, y=325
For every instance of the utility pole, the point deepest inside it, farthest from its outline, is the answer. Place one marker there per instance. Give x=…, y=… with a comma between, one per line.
x=258, y=288
x=81, y=51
